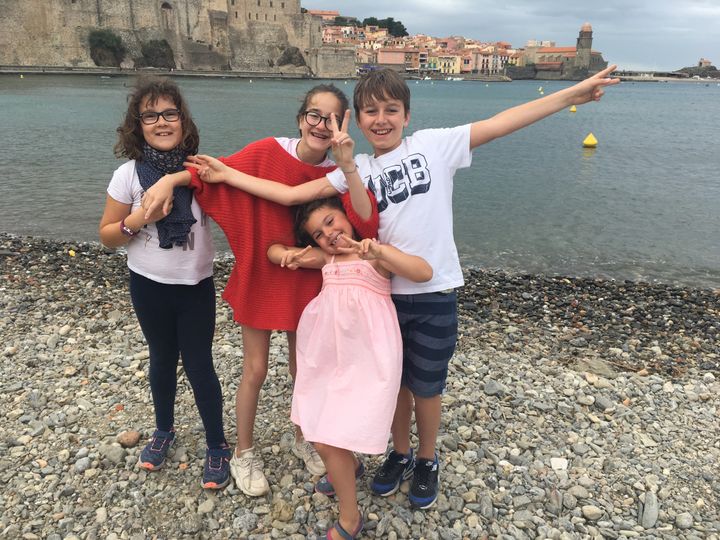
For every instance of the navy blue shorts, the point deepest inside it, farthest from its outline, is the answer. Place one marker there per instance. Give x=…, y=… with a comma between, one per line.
x=428, y=325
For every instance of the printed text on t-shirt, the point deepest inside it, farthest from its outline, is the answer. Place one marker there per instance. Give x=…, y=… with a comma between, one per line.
x=398, y=182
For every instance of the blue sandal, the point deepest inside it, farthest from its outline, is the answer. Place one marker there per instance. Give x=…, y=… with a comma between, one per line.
x=324, y=485
x=343, y=533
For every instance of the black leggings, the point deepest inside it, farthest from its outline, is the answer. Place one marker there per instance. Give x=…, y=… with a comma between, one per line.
x=179, y=320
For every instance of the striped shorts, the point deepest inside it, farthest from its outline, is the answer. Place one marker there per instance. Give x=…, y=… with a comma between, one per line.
x=428, y=325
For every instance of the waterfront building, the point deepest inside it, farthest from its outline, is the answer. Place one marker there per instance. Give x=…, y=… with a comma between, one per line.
x=565, y=62
x=328, y=16
x=704, y=63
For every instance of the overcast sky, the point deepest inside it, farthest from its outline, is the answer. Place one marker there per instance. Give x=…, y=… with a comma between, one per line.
x=635, y=34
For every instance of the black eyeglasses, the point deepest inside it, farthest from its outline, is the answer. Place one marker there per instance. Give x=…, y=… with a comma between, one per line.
x=314, y=119
x=151, y=117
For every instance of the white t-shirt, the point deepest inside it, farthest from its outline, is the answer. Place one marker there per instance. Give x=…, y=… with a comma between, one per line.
x=413, y=185
x=180, y=265
x=290, y=146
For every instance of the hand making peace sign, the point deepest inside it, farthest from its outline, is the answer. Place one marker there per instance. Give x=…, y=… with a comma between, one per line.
x=342, y=143
x=367, y=248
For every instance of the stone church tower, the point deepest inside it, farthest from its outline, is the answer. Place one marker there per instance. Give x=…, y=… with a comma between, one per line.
x=584, y=47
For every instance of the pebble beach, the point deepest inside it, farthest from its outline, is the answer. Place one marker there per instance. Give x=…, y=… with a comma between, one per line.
x=575, y=408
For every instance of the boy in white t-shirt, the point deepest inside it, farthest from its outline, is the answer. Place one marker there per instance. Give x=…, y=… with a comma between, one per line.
x=412, y=179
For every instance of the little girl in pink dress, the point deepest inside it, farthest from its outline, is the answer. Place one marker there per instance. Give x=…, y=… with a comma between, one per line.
x=349, y=349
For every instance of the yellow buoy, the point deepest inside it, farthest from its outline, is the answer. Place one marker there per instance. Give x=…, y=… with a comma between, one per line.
x=540, y=89
x=590, y=141
x=573, y=109
x=542, y=93
x=22, y=76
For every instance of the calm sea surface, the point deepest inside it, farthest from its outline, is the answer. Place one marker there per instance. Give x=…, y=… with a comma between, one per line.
x=644, y=205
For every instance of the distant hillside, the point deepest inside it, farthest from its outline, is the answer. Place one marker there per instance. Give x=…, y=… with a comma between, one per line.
x=702, y=72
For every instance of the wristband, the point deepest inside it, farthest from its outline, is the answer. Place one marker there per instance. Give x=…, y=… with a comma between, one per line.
x=127, y=231
x=349, y=172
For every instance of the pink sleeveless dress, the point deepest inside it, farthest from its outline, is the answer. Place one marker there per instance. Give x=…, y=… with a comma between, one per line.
x=349, y=360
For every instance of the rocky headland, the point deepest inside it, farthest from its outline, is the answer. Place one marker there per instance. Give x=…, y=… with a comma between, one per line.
x=576, y=408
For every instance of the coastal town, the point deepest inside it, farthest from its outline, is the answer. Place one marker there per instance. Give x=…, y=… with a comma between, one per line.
x=457, y=56
x=270, y=38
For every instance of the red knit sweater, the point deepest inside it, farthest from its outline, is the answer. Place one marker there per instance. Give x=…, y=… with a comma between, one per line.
x=264, y=295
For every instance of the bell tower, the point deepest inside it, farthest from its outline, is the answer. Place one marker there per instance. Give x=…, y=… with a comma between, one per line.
x=584, y=47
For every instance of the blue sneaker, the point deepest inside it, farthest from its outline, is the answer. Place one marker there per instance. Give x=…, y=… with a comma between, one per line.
x=153, y=455
x=325, y=487
x=425, y=483
x=396, y=468
x=216, y=473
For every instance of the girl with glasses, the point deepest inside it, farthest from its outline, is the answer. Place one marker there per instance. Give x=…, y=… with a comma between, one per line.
x=171, y=265
x=263, y=296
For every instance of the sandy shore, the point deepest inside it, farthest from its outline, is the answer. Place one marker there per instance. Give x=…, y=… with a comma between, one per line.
x=576, y=408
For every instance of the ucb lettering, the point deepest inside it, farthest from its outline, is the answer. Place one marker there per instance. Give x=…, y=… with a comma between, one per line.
x=395, y=180
x=398, y=182
x=415, y=166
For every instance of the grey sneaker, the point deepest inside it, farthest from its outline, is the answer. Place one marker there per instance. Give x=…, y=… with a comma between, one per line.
x=247, y=471
x=306, y=451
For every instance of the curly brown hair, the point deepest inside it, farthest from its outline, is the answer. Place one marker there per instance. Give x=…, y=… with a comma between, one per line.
x=302, y=214
x=130, y=135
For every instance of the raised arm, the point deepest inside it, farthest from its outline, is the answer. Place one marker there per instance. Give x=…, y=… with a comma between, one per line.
x=390, y=258
x=342, y=149
x=510, y=120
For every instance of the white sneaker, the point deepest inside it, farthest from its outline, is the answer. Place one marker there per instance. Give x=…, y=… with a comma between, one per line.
x=247, y=471
x=306, y=451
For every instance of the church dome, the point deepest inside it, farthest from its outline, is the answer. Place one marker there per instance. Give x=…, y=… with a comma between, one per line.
x=586, y=27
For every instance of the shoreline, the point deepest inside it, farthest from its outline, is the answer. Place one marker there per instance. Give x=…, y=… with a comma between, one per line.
x=575, y=408
x=122, y=72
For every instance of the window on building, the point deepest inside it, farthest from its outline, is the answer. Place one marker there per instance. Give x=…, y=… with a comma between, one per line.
x=256, y=15
x=236, y=16
x=266, y=16
x=282, y=5
x=274, y=17
x=258, y=2
x=270, y=3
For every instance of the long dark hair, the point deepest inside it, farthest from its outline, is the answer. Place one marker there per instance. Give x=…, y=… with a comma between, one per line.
x=321, y=89
x=302, y=214
x=130, y=135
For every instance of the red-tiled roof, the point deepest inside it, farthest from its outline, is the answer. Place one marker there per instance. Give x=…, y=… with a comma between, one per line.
x=556, y=50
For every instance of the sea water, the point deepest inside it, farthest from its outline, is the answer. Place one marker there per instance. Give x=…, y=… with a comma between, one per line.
x=643, y=205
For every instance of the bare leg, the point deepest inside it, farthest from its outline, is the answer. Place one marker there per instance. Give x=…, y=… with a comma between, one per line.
x=341, y=465
x=256, y=347
x=292, y=365
x=427, y=416
x=401, y=421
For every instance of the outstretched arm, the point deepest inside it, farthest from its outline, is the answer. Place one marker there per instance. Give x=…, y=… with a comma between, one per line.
x=294, y=257
x=213, y=170
x=505, y=122
x=390, y=258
